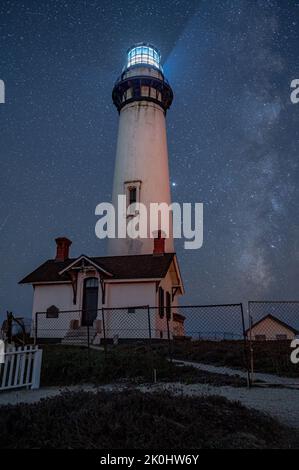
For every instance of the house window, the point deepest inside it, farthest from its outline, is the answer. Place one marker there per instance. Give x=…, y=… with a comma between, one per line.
x=260, y=337
x=281, y=337
x=91, y=282
x=52, y=312
x=161, y=302
x=168, y=305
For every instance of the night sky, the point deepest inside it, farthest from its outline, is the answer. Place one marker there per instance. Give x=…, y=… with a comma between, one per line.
x=233, y=135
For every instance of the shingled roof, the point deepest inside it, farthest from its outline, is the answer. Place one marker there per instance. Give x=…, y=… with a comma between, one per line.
x=275, y=319
x=120, y=267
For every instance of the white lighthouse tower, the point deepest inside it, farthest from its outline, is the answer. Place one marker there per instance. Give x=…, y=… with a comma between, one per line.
x=108, y=294
x=142, y=96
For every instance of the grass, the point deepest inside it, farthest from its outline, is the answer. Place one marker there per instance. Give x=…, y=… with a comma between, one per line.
x=268, y=356
x=71, y=365
x=274, y=357
x=133, y=420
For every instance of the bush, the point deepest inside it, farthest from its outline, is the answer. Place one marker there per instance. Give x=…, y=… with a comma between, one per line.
x=71, y=365
x=132, y=420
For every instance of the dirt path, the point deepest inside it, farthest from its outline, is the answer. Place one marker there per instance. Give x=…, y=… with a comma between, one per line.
x=267, y=378
x=281, y=403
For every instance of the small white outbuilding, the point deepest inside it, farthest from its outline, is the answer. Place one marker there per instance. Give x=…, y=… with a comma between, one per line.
x=270, y=328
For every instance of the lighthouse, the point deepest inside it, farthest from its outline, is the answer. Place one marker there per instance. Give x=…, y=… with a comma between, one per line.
x=142, y=97
x=108, y=294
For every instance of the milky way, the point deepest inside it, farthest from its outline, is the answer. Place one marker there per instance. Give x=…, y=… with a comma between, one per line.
x=233, y=135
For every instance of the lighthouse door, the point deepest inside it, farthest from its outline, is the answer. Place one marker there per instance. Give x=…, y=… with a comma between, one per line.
x=90, y=301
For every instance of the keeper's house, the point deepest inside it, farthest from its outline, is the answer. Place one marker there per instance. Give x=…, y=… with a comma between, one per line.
x=112, y=292
x=271, y=328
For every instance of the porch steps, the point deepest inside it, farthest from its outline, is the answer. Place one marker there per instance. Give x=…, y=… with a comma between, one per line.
x=79, y=337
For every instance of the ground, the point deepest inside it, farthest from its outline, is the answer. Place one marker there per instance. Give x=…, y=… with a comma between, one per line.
x=280, y=403
x=122, y=374
x=135, y=420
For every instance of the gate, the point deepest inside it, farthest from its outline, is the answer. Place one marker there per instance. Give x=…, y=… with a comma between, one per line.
x=20, y=367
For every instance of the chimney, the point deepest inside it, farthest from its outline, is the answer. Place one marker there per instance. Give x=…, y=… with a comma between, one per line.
x=159, y=244
x=62, y=249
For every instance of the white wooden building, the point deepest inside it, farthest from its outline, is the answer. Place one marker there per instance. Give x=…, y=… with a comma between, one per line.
x=70, y=293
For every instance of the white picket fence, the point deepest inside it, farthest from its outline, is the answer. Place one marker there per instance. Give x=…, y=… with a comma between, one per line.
x=21, y=368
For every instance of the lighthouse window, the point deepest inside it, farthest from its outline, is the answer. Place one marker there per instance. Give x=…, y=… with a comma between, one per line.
x=153, y=93
x=132, y=195
x=132, y=192
x=145, y=91
x=129, y=93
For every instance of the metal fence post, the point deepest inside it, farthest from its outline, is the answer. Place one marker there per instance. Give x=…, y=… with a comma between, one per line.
x=104, y=333
x=168, y=335
x=35, y=329
x=88, y=338
x=245, y=347
x=149, y=325
x=87, y=326
x=154, y=374
x=251, y=347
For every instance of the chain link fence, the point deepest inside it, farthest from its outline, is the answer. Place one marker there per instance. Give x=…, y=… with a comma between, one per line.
x=211, y=336
x=219, y=340
x=215, y=339
x=270, y=331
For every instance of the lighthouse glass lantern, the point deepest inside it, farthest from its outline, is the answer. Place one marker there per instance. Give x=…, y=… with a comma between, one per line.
x=142, y=79
x=144, y=54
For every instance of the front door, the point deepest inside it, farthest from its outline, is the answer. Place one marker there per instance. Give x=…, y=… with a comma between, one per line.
x=90, y=301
